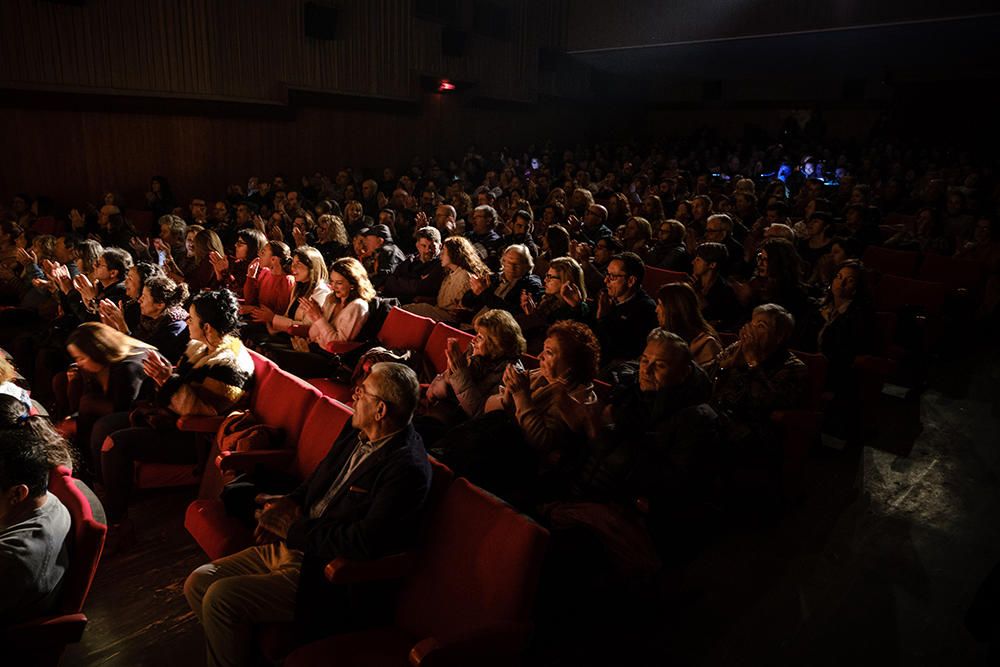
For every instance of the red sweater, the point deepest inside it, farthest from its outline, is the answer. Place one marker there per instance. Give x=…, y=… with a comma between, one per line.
x=268, y=290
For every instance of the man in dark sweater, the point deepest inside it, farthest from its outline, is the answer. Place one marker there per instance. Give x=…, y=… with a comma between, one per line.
x=364, y=501
x=625, y=313
x=387, y=255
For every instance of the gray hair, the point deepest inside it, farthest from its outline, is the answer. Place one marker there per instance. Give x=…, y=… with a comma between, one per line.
x=727, y=222
x=398, y=387
x=677, y=346
x=523, y=251
x=430, y=233
x=781, y=320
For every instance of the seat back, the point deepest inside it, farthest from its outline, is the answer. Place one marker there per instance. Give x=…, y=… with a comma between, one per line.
x=323, y=425
x=656, y=278
x=404, y=330
x=87, y=541
x=141, y=220
x=891, y=262
x=817, y=365
x=479, y=568
x=954, y=273
x=282, y=400
x=894, y=293
x=434, y=349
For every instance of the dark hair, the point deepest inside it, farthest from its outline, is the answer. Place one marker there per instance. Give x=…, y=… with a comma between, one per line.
x=558, y=239
x=29, y=448
x=117, y=260
x=580, y=348
x=281, y=250
x=164, y=290
x=218, y=308
x=632, y=264
x=88, y=252
x=712, y=252
x=852, y=247
x=779, y=206
x=255, y=240
x=784, y=267
x=683, y=315
x=147, y=270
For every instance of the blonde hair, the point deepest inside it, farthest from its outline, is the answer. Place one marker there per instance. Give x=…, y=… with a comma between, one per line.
x=504, y=337
x=7, y=371
x=571, y=271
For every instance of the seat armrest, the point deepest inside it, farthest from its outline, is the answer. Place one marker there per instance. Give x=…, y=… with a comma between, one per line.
x=65, y=629
x=346, y=571
x=249, y=461
x=200, y=423
x=473, y=647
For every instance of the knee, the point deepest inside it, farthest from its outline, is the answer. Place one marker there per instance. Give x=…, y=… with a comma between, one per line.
x=219, y=602
x=195, y=586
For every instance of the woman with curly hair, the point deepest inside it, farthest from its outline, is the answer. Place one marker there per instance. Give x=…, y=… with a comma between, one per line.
x=460, y=262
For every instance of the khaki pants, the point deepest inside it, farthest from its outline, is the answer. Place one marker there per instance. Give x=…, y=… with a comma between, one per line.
x=232, y=594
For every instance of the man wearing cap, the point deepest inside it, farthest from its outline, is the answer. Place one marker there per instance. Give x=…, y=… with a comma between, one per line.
x=386, y=255
x=419, y=276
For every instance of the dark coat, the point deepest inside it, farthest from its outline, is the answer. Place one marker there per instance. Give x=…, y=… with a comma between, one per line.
x=623, y=329
x=376, y=513
x=511, y=302
x=413, y=278
x=387, y=258
x=721, y=307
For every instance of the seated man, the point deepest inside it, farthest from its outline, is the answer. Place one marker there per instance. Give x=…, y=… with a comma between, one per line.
x=385, y=254
x=716, y=296
x=421, y=274
x=34, y=525
x=503, y=290
x=364, y=501
x=625, y=313
x=754, y=376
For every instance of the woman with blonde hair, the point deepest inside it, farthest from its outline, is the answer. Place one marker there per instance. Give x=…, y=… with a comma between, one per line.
x=460, y=392
x=460, y=262
x=331, y=237
x=200, y=274
x=564, y=286
x=677, y=311
x=311, y=282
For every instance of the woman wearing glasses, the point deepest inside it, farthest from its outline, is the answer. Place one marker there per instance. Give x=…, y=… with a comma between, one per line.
x=564, y=298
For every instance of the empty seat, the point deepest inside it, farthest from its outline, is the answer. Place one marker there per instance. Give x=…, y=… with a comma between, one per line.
x=656, y=278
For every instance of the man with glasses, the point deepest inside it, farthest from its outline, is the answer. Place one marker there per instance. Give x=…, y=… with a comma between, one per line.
x=364, y=501
x=719, y=229
x=625, y=313
x=503, y=290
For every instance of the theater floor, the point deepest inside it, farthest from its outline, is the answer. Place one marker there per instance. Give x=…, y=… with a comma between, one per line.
x=876, y=566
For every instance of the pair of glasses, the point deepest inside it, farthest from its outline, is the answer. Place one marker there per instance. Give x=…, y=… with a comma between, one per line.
x=360, y=390
x=551, y=277
x=611, y=277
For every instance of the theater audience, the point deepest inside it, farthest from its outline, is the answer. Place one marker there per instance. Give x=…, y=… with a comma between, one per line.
x=677, y=312
x=212, y=378
x=362, y=502
x=312, y=281
x=564, y=276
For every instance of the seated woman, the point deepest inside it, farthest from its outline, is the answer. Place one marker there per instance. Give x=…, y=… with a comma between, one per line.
x=109, y=368
x=849, y=330
x=213, y=378
x=555, y=244
x=270, y=284
x=753, y=377
x=779, y=281
x=564, y=276
x=232, y=272
x=677, y=311
x=161, y=320
x=311, y=282
x=331, y=237
x=200, y=274
x=460, y=392
x=460, y=261
x=535, y=424
x=334, y=326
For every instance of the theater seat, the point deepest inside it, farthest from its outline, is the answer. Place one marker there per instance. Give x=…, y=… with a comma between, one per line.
x=890, y=262
x=656, y=278
x=41, y=641
x=800, y=427
x=469, y=599
x=434, y=349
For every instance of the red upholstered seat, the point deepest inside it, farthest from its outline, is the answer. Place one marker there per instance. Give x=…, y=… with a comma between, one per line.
x=404, y=330
x=469, y=599
x=206, y=520
x=42, y=640
x=333, y=389
x=800, y=427
x=656, y=278
x=891, y=262
x=436, y=342
x=955, y=274
x=283, y=400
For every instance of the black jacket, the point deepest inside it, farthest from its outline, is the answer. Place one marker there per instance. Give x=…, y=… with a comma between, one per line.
x=623, y=329
x=387, y=258
x=376, y=513
x=413, y=278
x=511, y=302
x=721, y=307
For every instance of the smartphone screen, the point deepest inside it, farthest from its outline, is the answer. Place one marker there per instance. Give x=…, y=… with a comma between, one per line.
x=161, y=256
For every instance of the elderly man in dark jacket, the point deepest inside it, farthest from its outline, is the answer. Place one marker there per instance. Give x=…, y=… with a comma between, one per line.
x=503, y=290
x=364, y=501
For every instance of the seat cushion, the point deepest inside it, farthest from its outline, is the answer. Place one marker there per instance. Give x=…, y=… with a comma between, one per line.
x=160, y=475
x=404, y=330
x=283, y=401
x=217, y=533
x=372, y=648
x=336, y=390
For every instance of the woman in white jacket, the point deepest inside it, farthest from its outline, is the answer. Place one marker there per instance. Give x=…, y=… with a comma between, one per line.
x=311, y=283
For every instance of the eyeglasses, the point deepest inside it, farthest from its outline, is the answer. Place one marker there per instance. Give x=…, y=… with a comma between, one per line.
x=551, y=277
x=360, y=390
x=611, y=277
x=240, y=242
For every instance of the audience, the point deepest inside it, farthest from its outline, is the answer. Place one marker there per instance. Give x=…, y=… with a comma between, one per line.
x=419, y=276
x=460, y=263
